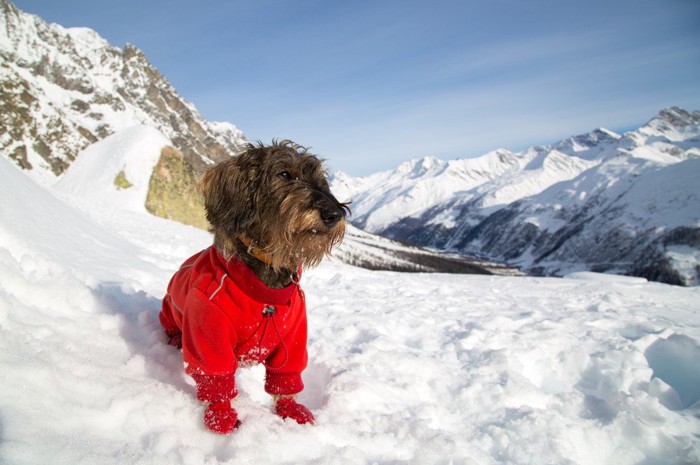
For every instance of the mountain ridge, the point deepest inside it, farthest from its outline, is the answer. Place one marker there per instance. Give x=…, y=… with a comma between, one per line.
x=527, y=208
x=66, y=88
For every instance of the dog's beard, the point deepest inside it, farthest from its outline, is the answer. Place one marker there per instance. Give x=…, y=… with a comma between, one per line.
x=304, y=242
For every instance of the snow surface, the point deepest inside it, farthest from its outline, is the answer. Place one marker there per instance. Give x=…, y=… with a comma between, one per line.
x=133, y=152
x=404, y=368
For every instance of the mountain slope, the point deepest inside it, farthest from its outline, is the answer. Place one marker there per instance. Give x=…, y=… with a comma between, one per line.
x=625, y=204
x=605, y=220
x=63, y=89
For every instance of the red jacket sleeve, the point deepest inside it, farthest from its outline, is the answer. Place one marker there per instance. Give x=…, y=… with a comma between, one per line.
x=208, y=346
x=288, y=360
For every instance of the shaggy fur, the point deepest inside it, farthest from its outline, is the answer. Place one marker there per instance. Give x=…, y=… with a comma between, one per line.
x=272, y=207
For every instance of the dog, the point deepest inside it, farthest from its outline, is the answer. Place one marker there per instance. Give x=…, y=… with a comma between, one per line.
x=239, y=302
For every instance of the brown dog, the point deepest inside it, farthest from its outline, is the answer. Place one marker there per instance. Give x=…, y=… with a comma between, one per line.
x=239, y=301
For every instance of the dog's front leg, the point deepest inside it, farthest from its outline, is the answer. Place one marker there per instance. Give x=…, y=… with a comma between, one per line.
x=287, y=407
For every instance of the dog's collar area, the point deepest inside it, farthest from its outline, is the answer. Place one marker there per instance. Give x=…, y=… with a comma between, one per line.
x=260, y=255
x=253, y=249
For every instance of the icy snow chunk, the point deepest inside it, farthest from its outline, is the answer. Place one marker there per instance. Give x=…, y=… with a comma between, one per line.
x=614, y=383
x=676, y=361
x=666, y=394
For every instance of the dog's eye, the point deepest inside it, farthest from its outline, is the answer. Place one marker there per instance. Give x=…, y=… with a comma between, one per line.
x=285, y=175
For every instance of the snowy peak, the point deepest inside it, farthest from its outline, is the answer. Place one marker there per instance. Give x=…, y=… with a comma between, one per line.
x=589, y=146
x=87, y=41
x=674, y=119
x=421, y=187
x=672, y=125
x=671, y=136
x=417, y=186
x=428, y=166
x=64, y=89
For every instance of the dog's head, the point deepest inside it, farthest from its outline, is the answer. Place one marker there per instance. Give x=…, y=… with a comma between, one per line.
x=276, y=196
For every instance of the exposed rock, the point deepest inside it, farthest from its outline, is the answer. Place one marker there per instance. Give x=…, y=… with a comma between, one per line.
x=173, y=192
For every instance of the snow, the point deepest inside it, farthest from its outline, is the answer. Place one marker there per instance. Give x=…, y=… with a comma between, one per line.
x=415, y=186
x=491, y=181
x=133, y=151
x=86, y=40
x=404, y=368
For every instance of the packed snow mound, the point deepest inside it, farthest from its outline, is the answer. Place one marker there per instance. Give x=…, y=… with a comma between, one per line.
x=36, y=224
x=403, y=367
x=116, y=170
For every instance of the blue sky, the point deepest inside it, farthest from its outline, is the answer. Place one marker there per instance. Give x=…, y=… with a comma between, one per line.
x=370, y=84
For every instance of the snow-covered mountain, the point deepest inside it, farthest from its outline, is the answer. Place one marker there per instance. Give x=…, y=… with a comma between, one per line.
x=600, y=201
x=66, y=88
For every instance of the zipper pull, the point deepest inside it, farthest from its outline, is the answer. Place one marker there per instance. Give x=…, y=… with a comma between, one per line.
x=269, y=310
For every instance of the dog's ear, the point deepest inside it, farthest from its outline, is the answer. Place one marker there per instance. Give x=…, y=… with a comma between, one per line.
x=228, y=190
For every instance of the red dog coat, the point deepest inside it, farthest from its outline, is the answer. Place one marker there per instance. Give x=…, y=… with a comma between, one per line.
x=227, y=317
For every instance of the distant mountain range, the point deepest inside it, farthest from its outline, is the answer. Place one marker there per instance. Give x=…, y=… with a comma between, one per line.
x=600, y=201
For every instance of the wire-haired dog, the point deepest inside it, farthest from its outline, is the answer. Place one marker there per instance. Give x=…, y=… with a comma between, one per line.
x=239, y=301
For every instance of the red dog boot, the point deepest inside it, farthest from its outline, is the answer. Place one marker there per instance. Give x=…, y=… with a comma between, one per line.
x=174, y=337
x=287, y=407
x=221, y=418
x=176, y=340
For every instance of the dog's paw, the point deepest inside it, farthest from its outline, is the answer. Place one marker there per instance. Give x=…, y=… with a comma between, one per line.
x=287, y=407
x=221, y=418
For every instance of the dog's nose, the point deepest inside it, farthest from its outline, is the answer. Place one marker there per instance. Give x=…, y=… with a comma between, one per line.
x=331, y=215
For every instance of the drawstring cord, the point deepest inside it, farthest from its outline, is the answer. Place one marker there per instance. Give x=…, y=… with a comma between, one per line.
x=269, y=314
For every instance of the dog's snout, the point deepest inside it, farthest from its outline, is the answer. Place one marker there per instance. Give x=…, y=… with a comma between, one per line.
x=329, y=209
x=331, y=215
